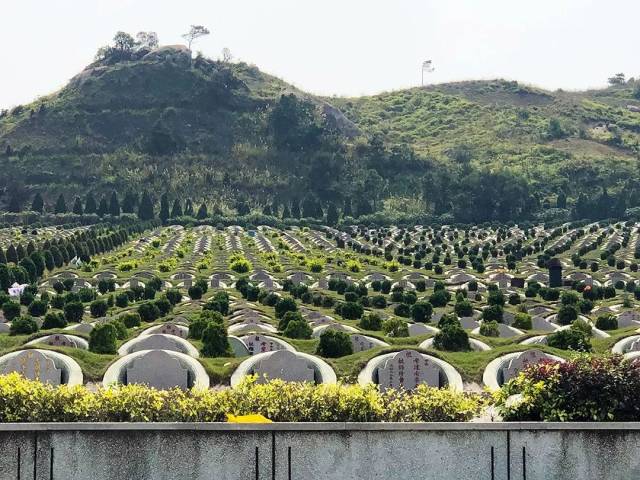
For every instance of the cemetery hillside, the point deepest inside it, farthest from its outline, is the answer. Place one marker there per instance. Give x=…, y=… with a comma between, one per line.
x=223, y=134
x=185, y=239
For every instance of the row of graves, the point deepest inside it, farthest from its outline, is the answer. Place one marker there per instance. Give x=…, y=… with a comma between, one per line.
x=162, y=355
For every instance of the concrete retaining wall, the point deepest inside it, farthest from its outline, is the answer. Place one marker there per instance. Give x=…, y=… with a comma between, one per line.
x=331, y=451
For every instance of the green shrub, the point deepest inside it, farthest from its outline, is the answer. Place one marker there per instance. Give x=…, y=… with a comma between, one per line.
x=286, y=304
x=288, y=317
x=53, y=320
x=10, y=310
x=215, y=342
x=371, y=321
x=239, y=264
x=173, y=295
x=37, y=308
x=463, y=308
x=102, y=338
x=489, y=329
x=122, y=300
x=73, y=312
x=131, y=319
x=98, y=308
x=493, y=313
x=23, y=325
x=522, y=321
x=395, y=327
x=350, y=310
x=452, y=338
x=298, y=328
x=567, y=314
x=378, y=301
x=334, y=343
x=606, y=322
x=402, y=310
x=570, y=339
x=195, y=292
x=583, y=389
x=439, y=298
x=305, y=402
x=148, y=312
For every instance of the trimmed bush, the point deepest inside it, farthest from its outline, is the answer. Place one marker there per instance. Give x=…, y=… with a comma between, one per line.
x=606, y=322
x=73, y=312
x=334, y=344
x=522, y=321
x=395, y=327
x=298, y=328
x=489, y=329
x=215, y=342
x=23, y=325
x=421, y=312
x=102, y=338
x=148, y=312
x=570, y=339
x=10, y=310
x=452, y=338
x=54, y=320
x=306, y=402
x=371, y=321
x=131, y=319
x=567, y=314
x=98, y=308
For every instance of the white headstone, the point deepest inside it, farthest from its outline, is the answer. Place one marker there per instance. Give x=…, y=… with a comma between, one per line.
x=286, y=366
x=517, y=364
x=34, y=365
x=408, y=369
x=158, y=369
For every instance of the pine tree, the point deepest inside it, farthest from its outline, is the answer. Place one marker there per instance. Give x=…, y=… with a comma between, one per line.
x=266, y=210
x=12, y=254
x=561, y=201
x=38, y=204
x=188, y=208
x=20, y=252
x=77, y=206
x=164, y=208
x=176, y=210
x=114, y=205
x=61, y=205
x=15, y=204
x=202, y=212
x=90, y=206
x=332, y=214
x=286, y=213
x=145, y=209
x=347, y=211
x=3, y=258
x=129, y=203
x=103, y=208
x=295, y=209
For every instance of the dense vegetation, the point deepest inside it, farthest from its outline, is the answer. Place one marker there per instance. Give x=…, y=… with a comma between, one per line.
x=223, y=138
x=27, y=401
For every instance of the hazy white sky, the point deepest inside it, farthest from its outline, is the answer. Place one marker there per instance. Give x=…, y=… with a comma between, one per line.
x=343, y=47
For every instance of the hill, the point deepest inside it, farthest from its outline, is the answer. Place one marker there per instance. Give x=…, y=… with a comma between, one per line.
x=237, y=138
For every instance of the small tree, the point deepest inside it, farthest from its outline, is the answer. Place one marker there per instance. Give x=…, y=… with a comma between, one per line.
x=298, y=328
x=195, y=32
x=334, y=343
x=215, y=342
x=102, y=338
x=61, y=206
x=38, y=204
